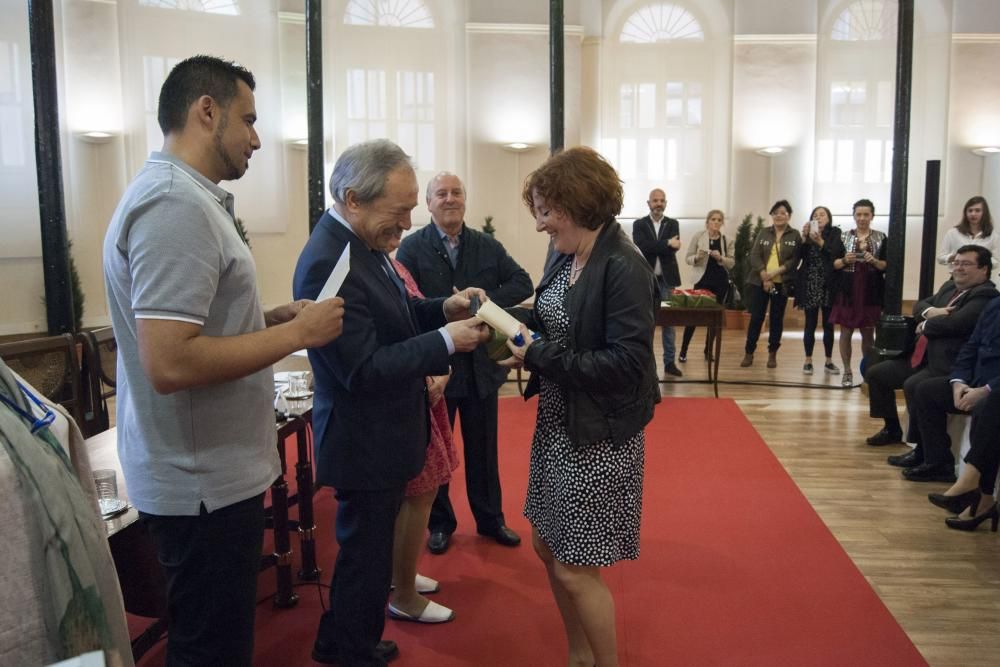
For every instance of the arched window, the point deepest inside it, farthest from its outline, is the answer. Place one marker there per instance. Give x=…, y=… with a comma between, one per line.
x=662, y=116
x=230, y=7
x=660, y=23
x=866, y=20
x=388, y=13
x=855, y=95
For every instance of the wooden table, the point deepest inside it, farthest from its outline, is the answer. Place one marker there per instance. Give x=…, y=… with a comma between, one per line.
x=711, y=318
x=142, y=583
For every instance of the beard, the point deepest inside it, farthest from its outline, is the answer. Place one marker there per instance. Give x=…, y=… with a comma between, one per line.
x=232, y=171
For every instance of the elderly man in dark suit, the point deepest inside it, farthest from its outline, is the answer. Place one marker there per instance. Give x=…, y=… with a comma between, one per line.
x=370, y=408
x=658, y=238
x=975, y=376
x=442, y=256
x=945, y=321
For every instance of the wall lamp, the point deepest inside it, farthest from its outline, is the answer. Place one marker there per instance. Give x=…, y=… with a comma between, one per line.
x=95, y=137
x=770, y=151
x=986, y=151
x=517, y=147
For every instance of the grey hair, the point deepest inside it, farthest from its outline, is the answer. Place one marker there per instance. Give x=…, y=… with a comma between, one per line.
x=440, y=174
x=364, y=169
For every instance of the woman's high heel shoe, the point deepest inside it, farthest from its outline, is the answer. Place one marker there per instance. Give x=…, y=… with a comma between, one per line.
x=955, y=504
x=971, y=524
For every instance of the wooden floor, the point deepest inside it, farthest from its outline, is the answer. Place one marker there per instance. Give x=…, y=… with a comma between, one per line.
x=942, y=586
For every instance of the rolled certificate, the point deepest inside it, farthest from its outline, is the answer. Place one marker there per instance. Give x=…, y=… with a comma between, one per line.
x=499, y=319
x=502, y=321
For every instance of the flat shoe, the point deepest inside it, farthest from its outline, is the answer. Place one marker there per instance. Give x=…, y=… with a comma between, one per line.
x=424, y=585
x=432, y=613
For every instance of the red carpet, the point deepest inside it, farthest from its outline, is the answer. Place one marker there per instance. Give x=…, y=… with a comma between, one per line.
x=736, y=568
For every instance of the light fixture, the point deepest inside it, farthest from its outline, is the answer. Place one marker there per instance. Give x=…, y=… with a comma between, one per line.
x=986, y=150
x=517, y=147
x=300, y=144
x=769, y=151
x=95, y=137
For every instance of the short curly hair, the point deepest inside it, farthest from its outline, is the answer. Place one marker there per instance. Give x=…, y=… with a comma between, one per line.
x=580, y=183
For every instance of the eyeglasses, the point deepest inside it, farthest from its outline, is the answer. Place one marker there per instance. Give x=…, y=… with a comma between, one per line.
x=962, y=264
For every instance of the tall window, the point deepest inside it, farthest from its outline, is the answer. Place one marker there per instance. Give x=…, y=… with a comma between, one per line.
x=657, y=127
x=393, y=91
x=856, y=90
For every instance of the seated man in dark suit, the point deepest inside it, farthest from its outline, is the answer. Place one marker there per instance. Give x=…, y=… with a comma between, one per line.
x=944, y=322
x=975, y=375
x=442, y=256
x=370, y=408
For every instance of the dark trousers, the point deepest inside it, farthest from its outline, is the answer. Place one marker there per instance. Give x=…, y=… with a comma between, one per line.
x=884, y=378
x=362, y=574
x=809, y=333
x=210, y=563
x=933, y=403
x=668, y=337
x=759, y=302
x=984, y=436
x=482, y=474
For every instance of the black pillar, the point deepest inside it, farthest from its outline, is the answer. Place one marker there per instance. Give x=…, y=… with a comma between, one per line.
x=928, y=247
x=314, y=109
x=48, y=166
x=557, y=132
x=892, y=330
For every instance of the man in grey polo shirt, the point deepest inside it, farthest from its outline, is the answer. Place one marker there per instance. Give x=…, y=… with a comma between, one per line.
x=194, y=415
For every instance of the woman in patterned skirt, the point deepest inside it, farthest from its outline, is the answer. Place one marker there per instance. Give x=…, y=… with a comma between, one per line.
x=592, y=366
x=821, y=242
x=861, y=284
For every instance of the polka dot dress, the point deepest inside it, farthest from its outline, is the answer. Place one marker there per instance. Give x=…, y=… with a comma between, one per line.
x=585, y=502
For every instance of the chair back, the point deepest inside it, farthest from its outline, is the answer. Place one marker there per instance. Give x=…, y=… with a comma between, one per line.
x=100, y=368
x=52, y=366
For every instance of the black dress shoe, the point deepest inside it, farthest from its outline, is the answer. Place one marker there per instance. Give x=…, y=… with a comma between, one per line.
x=931, y=472
x=885, y=437
x=503, y=535
x=955, y=504
x=908, y=460
x=326, y=653
x=671, y=369
x=438, y=542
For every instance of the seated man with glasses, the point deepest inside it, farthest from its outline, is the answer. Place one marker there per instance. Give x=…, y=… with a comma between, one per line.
x=944, y=322
x=974, y=378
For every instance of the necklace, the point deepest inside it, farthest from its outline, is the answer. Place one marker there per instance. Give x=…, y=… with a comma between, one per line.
x=575, y=270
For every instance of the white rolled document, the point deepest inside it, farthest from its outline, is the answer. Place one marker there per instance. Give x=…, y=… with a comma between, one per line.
x=499, y=319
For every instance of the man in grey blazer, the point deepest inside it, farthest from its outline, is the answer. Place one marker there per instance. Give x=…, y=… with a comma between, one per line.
x=442, y=256
x=658, y=238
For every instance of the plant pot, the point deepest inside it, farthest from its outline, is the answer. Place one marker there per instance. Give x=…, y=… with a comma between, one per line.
x=734, y=319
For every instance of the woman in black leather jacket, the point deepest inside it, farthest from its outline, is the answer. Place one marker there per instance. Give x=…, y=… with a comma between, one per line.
x=593, y=369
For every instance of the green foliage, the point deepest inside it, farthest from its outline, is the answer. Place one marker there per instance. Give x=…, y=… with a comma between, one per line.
x=243, y=232
x=745, y=234
x=77, y=289
x=488, y=228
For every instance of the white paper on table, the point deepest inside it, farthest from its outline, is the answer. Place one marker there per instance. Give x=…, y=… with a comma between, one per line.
x=337, y=276
x=499, y=319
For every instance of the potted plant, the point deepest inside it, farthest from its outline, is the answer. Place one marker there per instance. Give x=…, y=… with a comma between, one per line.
x=488, y=228
x=745, y=234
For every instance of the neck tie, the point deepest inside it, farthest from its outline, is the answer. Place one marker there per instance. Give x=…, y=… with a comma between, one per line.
x=920, y=347
x=452, y=246
x=393, y=276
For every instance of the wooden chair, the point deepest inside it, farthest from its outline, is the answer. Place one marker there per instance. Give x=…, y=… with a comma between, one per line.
x=52, y=366
x=99, y=375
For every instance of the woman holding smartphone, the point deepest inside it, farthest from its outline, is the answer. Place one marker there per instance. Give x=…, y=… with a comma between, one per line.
x=821, y=242
x=861, y=284
x=710, y=254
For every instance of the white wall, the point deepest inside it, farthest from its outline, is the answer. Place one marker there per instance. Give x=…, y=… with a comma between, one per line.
x=499, y=74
